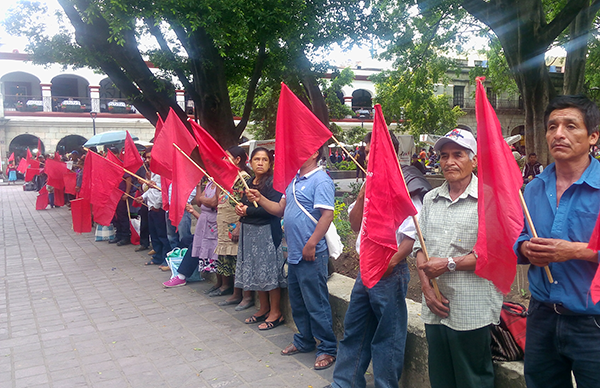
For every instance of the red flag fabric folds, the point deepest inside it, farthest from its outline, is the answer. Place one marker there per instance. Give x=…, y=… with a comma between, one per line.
x=135, y=234
x=165, y=183
x=11, y=157
x=105, y=176
x=31, y=173
x=86, y=180
x=34, y=163
x=114, y=158
x=29, y=155
x=216, y=161
x=70, y=179
x=594, y=245
x=298, y=134
x=59, y=196
x=81, y=214
x=387, y=204
x=104, y=213
x=22, y=167
x=499, y=207
x=55, y=171
x=185, y=177
x=41, y=201
x=132, y=160
x=173, y=131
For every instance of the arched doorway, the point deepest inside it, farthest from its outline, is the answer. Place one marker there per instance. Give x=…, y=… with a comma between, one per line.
x=70, y=93
x=18, y=88
x=361, y=99
x=19, y=145
x=70, y=143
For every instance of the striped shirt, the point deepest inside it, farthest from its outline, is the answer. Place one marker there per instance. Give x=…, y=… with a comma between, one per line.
x=449, y=230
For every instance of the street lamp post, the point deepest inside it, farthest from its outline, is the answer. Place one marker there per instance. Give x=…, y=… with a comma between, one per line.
x=93, y=115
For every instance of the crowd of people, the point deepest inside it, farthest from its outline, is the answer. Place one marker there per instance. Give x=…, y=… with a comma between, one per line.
x=239, y=237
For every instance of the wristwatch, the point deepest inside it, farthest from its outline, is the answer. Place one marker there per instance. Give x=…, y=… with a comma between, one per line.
x=451, y=265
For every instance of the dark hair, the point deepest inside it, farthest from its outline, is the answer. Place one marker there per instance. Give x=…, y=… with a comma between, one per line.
x=395, y=142
x=269, y=174
x=239, y=152
x=589, y=110
x=532, y=154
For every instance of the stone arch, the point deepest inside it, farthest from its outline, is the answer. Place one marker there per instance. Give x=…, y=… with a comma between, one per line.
x=67, y=87
x=70, y=143
x=18, y=87
x=362, y=99
x=518, y=130
x=20, y=143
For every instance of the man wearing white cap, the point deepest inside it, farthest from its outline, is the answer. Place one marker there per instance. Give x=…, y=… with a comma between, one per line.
x=458, y=326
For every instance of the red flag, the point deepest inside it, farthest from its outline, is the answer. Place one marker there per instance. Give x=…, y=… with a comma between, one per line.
x=173, y=131
x=41, y=201
x=86, y=180
x=34, y=163
x=114, y=158
x=387, y=204
x=59, y=196
x=132, y=160
x=31, y=173
x=57, y=156
x=298, y=134
x=55, y=171
x=216, y=161
x=104, y=213
x=39, y=148
x=81, y=214
x=594, y=245
x=11, y=157
x=159, y=126
x=185, y=177
x=164, y=184
x=105, y=177
x=22, y=167
x=29, y=156
x=499, y=207
x=70, y=179
x=135, y=235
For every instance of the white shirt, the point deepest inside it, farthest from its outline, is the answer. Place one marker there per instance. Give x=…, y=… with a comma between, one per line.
x=153, y=197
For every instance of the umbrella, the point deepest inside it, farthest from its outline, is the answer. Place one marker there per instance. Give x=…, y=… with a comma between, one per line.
x=110, y=137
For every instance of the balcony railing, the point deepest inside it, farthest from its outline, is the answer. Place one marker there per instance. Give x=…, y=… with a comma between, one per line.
x=23, y=103
x=498, y=104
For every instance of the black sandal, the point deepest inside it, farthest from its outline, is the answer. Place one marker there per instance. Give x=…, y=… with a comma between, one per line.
x=256, y=318
x=272, y=324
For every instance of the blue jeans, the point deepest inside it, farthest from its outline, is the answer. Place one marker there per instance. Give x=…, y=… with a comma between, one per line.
x=175, y=235
x=158, y=234
x=558, y=344
x=309, y=298
x=374, y=327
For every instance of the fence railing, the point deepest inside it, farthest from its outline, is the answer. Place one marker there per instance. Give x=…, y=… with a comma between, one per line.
x=24, y=103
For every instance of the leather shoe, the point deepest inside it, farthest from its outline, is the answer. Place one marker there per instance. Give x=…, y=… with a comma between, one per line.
x=124, y=242
x=114, y=241
x=141, y=248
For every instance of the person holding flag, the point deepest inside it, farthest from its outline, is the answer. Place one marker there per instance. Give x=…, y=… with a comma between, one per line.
x=457, y=327
x=563, y=323
x=375, y=326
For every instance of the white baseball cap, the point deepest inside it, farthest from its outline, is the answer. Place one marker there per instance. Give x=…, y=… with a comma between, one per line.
x=462, y=137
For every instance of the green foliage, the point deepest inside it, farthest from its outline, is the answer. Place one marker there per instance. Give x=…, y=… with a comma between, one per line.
x=341, y=219
x=355, y=189
x=497, y=72
x=345, y=165
x=592, y=73
x=337, y=108
x=355, y=135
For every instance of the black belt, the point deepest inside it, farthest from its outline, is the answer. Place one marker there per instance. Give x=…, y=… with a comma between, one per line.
x=562, y=310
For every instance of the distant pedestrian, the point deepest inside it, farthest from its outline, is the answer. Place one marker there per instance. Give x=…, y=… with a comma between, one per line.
x=532, y=168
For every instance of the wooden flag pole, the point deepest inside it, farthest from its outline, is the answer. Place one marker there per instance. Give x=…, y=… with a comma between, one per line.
x=350, y=155
x=205, y=173
x=533, y=231
x=132, y=197
x=242, y=179
x=149, y=183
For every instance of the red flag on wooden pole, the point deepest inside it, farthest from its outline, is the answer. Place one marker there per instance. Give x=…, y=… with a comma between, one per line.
x=298, y=135
x=11, y=157
x=216, y=161
x=132, y=160
x=41, y=201
x=70, y=179
x=387, y=204
x=104, y=213
x=22, y=167
x=113, y=158
x=185, y=177
x=173, y=131
x=29, y=156
x=81, y=214
x=499, y=207
x=105, y=176
x=56, y=171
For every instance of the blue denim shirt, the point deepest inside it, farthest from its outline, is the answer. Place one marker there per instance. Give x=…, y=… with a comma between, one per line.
x=315, y=191
x=573, y=220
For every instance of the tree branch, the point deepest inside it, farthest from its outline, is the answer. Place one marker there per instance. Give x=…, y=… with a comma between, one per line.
x=566, y=15
x=256, y=74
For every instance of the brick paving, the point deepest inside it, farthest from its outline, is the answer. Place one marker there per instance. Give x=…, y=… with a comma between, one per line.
x=79, y=313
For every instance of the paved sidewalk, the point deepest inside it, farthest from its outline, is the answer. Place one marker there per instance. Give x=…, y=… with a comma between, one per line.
x=79, y=313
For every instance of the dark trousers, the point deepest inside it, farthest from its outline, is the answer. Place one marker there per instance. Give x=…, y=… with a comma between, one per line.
x=121, y=221
x=558, y=344
x=459, y=359
x=144, y=229
x=158, y=234
x=374, y=328
x=189, y=264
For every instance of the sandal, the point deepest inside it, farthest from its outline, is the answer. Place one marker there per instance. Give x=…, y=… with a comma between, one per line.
x=290, y=350
x=151, y=263
x=268, y=325
x=329, y=360
x=256, y=318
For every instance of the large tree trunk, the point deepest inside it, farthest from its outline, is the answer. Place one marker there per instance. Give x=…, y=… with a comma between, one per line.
x=579, y=32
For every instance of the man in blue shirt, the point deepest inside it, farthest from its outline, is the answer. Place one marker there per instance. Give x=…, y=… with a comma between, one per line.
x=312, y=191
x=563, y=324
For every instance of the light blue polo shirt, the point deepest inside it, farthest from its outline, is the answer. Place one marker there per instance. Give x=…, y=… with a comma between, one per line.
x=314, y=191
